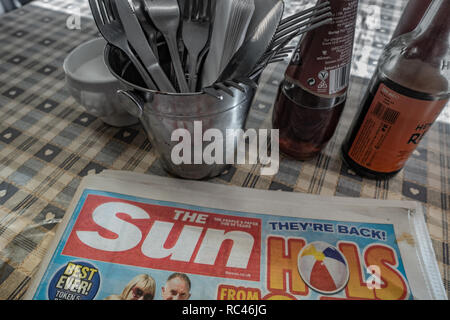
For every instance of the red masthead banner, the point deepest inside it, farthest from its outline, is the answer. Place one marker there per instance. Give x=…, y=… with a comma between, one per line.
x=166, y=238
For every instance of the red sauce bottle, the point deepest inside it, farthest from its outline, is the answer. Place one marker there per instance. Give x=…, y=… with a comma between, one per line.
x=407, y=93
x=312, y=96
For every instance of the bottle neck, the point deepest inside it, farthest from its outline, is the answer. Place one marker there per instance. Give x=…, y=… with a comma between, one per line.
x=435, y=24
x=411, y=17
x=418, y=60
x=431, y=39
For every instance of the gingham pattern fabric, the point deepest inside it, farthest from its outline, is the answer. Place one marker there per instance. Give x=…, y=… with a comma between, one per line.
x=48, y=142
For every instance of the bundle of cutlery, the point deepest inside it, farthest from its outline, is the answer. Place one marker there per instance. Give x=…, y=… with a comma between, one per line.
x=187, y=46
x=229, y=29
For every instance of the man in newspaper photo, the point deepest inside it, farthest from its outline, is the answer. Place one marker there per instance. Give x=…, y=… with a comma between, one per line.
x=177, y=287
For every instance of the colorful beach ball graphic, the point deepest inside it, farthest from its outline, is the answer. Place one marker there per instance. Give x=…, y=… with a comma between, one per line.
x=323, y=268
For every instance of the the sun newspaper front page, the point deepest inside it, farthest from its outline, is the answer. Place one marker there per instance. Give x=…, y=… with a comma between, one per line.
x=128, y=235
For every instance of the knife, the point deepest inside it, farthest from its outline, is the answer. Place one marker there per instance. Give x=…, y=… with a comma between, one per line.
x=138, y=41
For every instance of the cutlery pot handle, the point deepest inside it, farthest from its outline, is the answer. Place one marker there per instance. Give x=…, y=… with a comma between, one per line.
x=131, y=102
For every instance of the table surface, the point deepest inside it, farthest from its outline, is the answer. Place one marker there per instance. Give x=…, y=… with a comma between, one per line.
x=48, y=142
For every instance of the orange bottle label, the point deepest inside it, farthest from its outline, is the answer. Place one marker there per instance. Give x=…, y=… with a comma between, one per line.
x=391, y=130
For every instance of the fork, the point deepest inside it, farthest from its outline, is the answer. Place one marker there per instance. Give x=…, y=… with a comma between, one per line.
x=195, y=34
x=165, y=15
x=279, y=47
x=286, y=32
x=242, y=63
x=274, y=53
x=113, y=32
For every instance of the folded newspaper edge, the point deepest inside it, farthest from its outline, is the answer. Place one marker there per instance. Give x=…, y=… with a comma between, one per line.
x=412, y=241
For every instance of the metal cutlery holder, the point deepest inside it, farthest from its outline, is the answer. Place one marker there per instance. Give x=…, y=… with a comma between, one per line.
x=162, y=113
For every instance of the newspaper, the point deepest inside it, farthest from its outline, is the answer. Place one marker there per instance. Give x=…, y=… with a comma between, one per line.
x=134, y=236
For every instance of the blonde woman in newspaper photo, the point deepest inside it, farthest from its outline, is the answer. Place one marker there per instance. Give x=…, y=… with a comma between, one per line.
x=177, y=287
x=141, y=287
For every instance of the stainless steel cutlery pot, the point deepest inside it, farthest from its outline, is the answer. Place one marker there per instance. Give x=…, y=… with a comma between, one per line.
x=163, y=113
x=189, y=63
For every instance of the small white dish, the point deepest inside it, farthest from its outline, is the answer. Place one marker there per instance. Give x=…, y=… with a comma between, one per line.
x=93, y=86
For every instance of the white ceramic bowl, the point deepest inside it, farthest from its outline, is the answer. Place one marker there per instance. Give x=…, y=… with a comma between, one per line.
x=93, y=86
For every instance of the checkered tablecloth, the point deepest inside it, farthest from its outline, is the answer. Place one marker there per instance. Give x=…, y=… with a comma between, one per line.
x=48, y=142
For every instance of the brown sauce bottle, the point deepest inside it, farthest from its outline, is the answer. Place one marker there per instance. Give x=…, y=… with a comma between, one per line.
x=312, y=96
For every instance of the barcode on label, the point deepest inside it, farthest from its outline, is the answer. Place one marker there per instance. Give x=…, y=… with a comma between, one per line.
x=339, y=78
x=386, y=114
